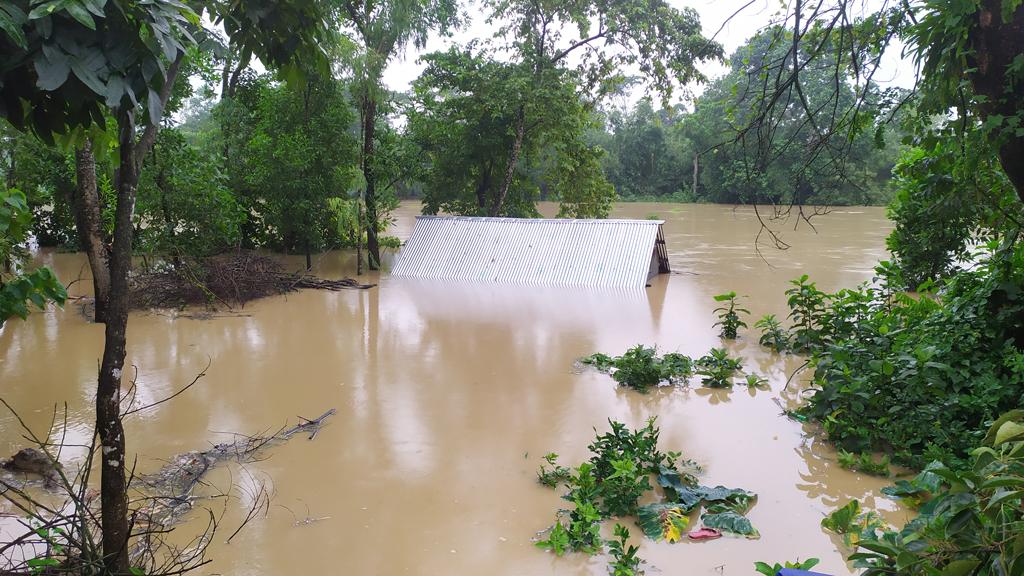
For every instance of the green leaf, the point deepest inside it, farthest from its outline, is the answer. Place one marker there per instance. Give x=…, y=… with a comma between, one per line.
x=730, y=522
x=1009, y=432
x=960, y=567
x=663, y=521
x=11, y=21
x=78, y=12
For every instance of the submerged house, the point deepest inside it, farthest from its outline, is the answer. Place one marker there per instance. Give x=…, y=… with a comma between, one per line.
x=535, y=251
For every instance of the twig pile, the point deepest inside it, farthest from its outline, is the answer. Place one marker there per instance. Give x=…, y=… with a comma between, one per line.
x=228, y=280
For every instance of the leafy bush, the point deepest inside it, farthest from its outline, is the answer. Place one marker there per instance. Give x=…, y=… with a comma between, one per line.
x=948, y=196
x=807, y=310
x=625, y=562
x=18, y=285
x=617, y=477
x=717, y=369
x=773, y=335
x=969, y=521
x=863, y=462
x=729, y=315
x=916, y=377
x=640, y=368
x=551, y=477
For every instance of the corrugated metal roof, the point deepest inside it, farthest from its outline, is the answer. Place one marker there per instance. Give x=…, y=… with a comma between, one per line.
x=532, y=251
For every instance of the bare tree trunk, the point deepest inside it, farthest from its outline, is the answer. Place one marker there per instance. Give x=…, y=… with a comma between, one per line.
x=482, y=188
x=85, y=204
x=513, y=161
x=369, y=110
x=996, y=43
x=696, y=167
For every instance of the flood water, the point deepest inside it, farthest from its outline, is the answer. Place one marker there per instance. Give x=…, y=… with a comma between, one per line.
x=447, y=397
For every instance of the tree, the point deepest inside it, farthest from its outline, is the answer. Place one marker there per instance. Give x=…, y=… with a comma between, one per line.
x=383, y=29
x=970, y=68
x=69, y=65
x=662, y=42
x=463, y=118
x=299, y=155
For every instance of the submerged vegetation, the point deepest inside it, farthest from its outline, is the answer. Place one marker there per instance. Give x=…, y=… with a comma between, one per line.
x=614, y=482
x=640, y=368
x=968, y=519
x=729, y=315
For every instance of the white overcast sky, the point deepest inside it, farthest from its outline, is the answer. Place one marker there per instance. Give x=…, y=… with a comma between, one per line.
x=713, y=13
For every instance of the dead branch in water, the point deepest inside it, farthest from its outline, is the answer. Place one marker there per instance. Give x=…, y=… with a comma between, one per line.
x=62, y=525
x=226, y=280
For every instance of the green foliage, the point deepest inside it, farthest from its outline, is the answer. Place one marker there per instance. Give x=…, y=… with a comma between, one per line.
x=463, y=118
x=296, y=153
x=756, y=381
x=556, y=474
x=617, y=477
x=772, y=570
x=730, y=522
x=64, y=62
x=864, y=462
x=717, y=368
x=625, y=561
x=557, y=540
x=640, y=368
x=773, y=335
x=666, y=522
x=602, y=362
x=853, y=524
x=806, y=310
x=916, y=378
x=729, y=315
x=969, y=521
x=184, y=204
x=949, y=196
x=20, y=286
x=46, y=176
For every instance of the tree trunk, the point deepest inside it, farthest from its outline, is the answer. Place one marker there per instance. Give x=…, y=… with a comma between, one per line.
x=369, y=111
x=482, y=188
x=513, y=161
x=113, y=493
x=696, y=167
x=996, y=44
x=85, y=204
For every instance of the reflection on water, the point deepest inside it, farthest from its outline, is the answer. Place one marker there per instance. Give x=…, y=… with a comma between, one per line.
x=448, y=395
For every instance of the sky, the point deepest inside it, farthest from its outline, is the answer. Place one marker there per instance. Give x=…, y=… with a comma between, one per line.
x=713, y=14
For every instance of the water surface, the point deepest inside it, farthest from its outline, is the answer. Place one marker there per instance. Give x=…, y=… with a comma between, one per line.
x=448, y=395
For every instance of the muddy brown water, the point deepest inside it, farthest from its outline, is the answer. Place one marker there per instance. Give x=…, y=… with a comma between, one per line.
x=448, y=395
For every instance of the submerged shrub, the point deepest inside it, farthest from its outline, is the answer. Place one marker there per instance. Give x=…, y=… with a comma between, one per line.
x=640, y=368
x=614, y=481
x=969, y=520
x=863, y=462
x=729, y=315
x=773, y=335
x=717, y=368
x=917, y=377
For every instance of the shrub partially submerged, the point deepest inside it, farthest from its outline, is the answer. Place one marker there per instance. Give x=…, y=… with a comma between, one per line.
x=969, y=521
x=921, y=377
x=640, y=368
x=618, y=476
